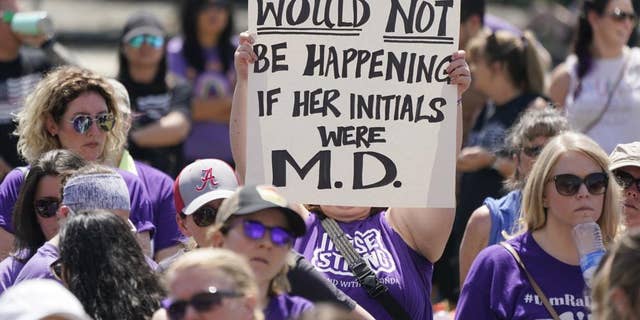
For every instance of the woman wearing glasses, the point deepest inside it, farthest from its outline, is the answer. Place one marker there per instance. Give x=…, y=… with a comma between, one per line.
x=211, y=284
x=568, y=184
x=160, y=105
x=104, y=267
x=34, y=215
x=495, y=217
x=597, y=85
x=203, y=56
x=256, y=223
x=73, y=109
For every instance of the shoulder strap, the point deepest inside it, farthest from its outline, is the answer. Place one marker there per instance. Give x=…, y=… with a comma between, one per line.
x=609, y=97
x=361, y=270
x=533, y=283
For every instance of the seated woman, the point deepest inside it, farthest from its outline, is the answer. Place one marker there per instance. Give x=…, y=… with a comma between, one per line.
x=102, y=264
x=34, y=215
x=496, y=217
x=214, y=283
x=257, y=223
x=569, y=184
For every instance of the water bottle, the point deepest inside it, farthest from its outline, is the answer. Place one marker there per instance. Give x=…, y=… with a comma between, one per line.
x=32, y=23
x=588, y=240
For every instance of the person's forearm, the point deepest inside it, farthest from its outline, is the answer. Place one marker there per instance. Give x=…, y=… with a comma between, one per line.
x=211, y=109
x=170, y=130
x=238, y=128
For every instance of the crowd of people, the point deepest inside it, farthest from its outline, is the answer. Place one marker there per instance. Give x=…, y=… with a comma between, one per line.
x=125, y=198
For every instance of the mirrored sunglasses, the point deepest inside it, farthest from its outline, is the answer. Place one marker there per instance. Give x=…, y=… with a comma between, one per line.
x=202, y=302
x=46, y=207
x=569, y=184
x=619, y=15
x=626, y=180
x=532, y=152
x=153, y=41
x=255, y=230
x=82, y=122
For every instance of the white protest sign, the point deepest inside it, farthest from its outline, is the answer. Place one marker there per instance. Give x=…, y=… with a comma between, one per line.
x=349, y=101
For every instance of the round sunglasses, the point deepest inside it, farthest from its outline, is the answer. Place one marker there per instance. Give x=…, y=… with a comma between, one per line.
x=626, y=180
x=82, y=123
x=203, y=217
x=202, y=302
x=569, y=184
x=46, y=207
x=153, y=41
x=255, y=230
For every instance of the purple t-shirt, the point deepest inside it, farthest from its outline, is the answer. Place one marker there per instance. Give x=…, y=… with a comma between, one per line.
x=159, y=187
x=405, y=272
x=9, y=269
x=38, y=267
x=284, y=307
x=141, y=210
x=496, y=288
x=207, y=139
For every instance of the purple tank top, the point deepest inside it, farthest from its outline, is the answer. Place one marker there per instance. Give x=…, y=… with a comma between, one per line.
x=405, y=272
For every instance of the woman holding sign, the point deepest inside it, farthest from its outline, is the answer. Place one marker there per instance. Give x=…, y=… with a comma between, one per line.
x=408, y=240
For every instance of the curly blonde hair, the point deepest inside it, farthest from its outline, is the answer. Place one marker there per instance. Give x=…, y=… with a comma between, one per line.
x=50, y=99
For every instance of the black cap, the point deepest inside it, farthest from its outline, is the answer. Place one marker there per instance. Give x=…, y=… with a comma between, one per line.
x=142, y=23
x=250, y=199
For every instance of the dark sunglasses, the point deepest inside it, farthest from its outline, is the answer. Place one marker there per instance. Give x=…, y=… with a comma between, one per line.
x=532, y=152
x=153, y=41
x=203, y=217
x=56, y=269
x=255, y=230
x=569, y=184
x=46, y=207
x=82, y=122
x=202, y=302
x=619, y=15
x=626, y=180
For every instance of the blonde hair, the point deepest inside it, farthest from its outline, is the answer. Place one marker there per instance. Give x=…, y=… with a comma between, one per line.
x=233, y=265
x=534, y=215
x=280, y=283
x=518, y=54
x=618, y=269
x=50, y=99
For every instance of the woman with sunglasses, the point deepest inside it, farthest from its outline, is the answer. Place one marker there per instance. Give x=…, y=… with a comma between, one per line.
x=160, y=105
x=104, y=267
x=34, y=215
x=203, y=56
x=211, y=284
x=74, y=109
x=497, y=217
x=597, y=84
x=412, y=239
x=625, y=166
x=257, y=223
x=568, y=184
